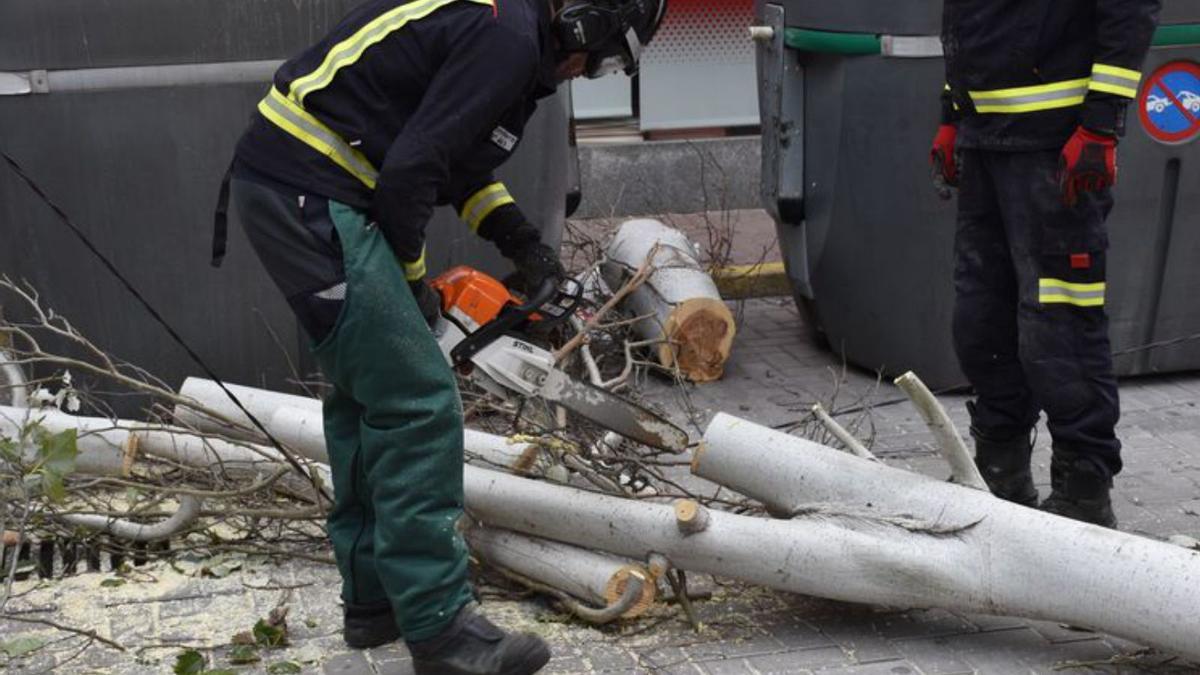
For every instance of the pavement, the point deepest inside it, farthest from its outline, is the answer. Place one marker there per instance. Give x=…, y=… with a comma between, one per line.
x=773, y=377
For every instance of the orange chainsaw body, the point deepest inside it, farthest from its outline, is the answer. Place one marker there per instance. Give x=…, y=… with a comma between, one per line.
x=471, y=297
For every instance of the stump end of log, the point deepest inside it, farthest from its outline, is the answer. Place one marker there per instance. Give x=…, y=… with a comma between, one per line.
x=700, y=335
x=690, y=516
x=620, y=580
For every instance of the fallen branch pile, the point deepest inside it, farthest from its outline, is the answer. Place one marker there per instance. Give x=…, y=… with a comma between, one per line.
x=601, y=525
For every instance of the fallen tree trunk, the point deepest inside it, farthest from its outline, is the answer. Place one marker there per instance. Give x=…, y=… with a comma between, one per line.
x=110, y=447
x=984, y=554
x=684, y=308
x=597, y=578
x=297, y=422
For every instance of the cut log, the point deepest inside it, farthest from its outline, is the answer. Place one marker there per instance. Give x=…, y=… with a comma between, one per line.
x=297, y=422
x=110, y=447
x=980, y=554
x=597, y=578
x=684, y=308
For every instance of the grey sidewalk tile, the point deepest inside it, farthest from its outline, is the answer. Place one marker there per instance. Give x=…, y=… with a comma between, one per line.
x=898, y=667
x=858, y=637
x=932, y=656
x=732, y=666
x=349, y=663
x=921, y=623
x=800, y=661
x=609, y=658
x=1021, y=650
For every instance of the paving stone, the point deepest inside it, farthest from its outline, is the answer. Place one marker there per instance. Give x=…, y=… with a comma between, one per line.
x=898, y=667
x=858, y=637
x=932, y=656
x=731, y=666
x=1057, y=632
x=800, y=661
x=349, y=663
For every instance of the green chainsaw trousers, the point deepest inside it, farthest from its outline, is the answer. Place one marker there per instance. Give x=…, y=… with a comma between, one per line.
x=393, y=421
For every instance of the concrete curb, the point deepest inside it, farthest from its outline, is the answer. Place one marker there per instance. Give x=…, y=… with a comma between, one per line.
x=761, y=280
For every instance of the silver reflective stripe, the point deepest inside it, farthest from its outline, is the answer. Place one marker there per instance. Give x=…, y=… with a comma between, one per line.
x=1052, y=291
x=474, y=217
x=345, y=153
x=335, y=292
x=1115, y=80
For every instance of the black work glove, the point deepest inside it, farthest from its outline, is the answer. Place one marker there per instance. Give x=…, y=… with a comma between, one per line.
x=428, y=300
x=535, y=261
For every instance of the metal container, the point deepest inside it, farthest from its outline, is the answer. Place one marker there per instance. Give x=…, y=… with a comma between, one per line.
x=849, y=99
x=127, y=113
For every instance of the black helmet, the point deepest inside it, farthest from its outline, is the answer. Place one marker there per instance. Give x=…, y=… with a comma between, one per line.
x=612, y=32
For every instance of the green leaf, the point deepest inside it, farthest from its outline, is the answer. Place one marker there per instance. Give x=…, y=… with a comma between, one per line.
x=21, y=646
x=269, y=636
x=284, y=668
x=243, y=654
x=190, y=662
x=112, y=583
x=58, y=452
x=53, y=487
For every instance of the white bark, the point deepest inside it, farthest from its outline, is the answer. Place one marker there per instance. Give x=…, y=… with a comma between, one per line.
x=102, y=450
x=188, y=512
x=109, y=447
x=597, y=578
x=852, y=444
x=962, y=467
x=12, y=382
x=978, y=553
x=296, y=421
x=686, y=310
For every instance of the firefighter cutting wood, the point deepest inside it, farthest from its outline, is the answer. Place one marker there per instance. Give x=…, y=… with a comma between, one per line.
x=402, y=107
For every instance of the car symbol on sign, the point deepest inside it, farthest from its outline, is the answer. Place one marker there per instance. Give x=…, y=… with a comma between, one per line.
x=1189, y=100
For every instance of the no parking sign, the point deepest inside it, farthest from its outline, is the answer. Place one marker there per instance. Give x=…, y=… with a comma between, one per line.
x=1170, y=103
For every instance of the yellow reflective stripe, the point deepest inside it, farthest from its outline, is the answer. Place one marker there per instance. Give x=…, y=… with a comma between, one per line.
x=350, y=50
x=299, y=123
x=414, y=271
x=1057, y=291
x=1133, y=76
x=1115, y=80
x=482, y=203
x=1028, y=99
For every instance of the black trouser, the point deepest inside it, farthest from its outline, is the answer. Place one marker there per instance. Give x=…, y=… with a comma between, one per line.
x=1030, y=327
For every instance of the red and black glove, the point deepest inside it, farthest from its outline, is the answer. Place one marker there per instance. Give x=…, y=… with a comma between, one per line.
x=944, y=161
x=1088, y=164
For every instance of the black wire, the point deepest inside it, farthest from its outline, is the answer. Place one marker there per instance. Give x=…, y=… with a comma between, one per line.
x=161, y=321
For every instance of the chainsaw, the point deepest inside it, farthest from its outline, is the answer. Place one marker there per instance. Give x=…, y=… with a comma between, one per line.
x=480, y=333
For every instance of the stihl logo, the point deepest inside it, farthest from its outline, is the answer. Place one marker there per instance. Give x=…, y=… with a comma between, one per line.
x=522, y=346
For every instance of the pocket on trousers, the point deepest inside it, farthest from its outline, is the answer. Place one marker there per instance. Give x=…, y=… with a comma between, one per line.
x=1074, y=279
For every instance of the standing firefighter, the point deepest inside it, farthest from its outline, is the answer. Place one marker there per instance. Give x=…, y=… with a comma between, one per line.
x=404, y=106
x=1031, y=114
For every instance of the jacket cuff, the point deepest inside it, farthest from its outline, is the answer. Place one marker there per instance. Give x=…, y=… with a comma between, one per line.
x=1104, y=114
x=484, y=203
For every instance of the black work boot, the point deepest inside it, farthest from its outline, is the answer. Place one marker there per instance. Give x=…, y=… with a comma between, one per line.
x=1005, y=468
x=472, y=645
x=1079, y=490
x=366, y=626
